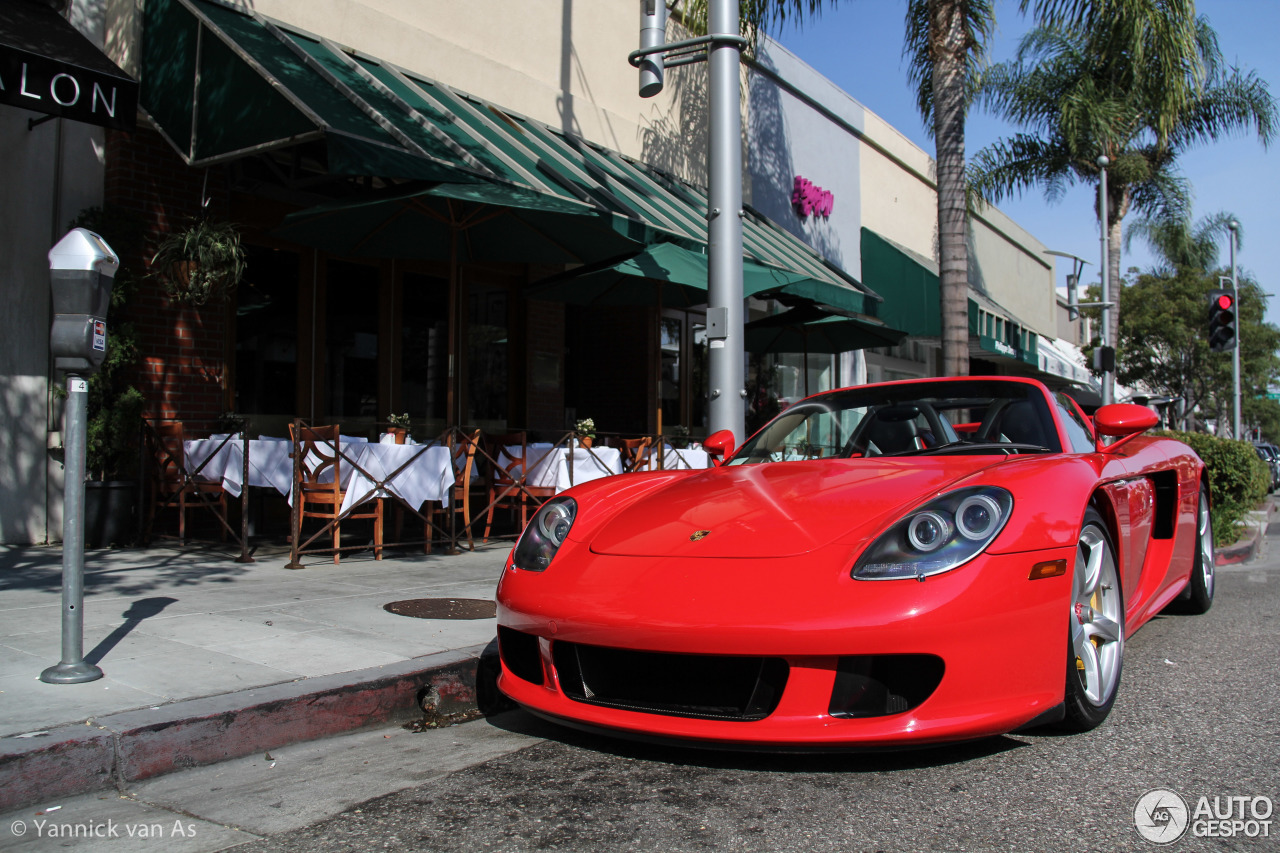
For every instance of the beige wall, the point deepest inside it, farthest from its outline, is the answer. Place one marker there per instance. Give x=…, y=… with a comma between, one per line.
x=563, y=62
x=899, y=202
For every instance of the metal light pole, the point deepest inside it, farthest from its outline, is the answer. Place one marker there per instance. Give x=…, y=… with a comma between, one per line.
x=1108, y=378
x=722, y=46
x=726, y=360
x=1232, y=226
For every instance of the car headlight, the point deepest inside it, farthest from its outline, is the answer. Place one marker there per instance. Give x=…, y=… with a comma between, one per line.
x=945, y=533
x=545, y=534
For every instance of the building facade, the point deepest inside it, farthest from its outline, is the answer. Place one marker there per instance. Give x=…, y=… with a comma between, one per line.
x=515, y=158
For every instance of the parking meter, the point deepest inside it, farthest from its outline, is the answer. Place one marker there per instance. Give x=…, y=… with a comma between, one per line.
x=82, y=269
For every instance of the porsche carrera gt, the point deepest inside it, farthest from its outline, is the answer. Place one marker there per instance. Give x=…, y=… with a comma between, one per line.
x=886, y=565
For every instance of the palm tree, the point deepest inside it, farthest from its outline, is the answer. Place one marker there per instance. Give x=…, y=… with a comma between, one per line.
x=1139, y=81
x=945, y=45
x=945, y=48
x=1180, y=245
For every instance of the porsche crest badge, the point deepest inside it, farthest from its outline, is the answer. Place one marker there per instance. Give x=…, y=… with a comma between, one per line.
x=699, y=534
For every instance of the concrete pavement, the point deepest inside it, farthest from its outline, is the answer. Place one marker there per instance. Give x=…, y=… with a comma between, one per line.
x=206, y=659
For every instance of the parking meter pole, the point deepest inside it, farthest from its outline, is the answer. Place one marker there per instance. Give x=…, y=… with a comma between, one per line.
x=74, y=668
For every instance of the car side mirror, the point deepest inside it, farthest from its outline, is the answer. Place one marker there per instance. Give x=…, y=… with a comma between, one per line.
x=1123, y=420
x=720, y=445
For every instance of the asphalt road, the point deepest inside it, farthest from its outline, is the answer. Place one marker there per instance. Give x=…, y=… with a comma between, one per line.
x=1198, y=713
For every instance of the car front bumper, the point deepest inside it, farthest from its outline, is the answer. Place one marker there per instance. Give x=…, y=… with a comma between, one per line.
x=1001, y=639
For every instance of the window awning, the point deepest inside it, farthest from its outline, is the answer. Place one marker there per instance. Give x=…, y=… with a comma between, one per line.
x=666, y=274
x=909, y=285
x=48, y=66
x=221, y=83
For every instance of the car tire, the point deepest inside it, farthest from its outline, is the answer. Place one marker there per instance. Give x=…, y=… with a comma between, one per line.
x=1095, y=638
x=1197, y=598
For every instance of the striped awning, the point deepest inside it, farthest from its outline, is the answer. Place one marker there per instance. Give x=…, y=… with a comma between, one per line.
x=222, y=82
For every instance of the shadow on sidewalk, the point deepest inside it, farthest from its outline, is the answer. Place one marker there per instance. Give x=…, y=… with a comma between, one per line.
x=139, y=610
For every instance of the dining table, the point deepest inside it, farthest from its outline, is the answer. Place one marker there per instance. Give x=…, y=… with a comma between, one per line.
x=414, y=473
x=549, y=466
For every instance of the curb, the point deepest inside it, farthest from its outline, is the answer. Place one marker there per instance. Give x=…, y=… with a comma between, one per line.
x=115, y=750
x=1247, y=548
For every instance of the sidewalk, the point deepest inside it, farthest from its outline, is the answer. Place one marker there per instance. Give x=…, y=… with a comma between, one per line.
x=206, y=659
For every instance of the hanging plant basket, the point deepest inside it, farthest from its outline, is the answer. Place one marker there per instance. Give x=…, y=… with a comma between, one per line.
x=203, y=262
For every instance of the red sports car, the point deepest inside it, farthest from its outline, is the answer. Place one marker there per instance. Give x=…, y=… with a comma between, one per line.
x=886, y=565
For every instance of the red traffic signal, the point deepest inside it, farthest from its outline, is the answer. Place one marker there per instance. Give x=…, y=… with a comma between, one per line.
x=1222, y=320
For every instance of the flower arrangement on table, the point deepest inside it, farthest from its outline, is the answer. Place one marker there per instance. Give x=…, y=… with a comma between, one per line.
x=585, y=430
x=400, y=426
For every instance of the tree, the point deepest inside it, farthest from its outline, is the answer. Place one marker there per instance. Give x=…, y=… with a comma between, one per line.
x=1163, y=348
x=945, y=44
x=1178, y=243
x=1138, y=81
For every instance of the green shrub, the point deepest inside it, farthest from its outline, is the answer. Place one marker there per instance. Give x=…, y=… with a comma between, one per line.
x=1238, y=479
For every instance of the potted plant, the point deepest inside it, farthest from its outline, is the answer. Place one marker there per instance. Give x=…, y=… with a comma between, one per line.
x=201, y=262
x=114, y=419
x=400, y=427
x=585, y=431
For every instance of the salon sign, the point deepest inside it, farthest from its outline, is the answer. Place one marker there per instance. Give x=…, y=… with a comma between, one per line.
x=53, y=87
x=809, y=199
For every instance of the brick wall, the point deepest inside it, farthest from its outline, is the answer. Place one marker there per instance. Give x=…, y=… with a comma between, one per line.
x=182, y=349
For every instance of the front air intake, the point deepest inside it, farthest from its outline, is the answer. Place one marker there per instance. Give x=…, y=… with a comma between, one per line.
x=715, y=687
x=880, y=685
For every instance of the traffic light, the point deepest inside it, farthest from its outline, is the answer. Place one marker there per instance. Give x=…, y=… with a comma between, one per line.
x=1222, y=320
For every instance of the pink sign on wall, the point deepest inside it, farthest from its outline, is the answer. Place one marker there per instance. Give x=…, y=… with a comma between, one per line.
x=810, y=199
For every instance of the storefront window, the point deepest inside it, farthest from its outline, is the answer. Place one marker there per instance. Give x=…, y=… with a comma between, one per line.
x=351, y=342
x=487, y=357
x=266, y=360
x=424, y=354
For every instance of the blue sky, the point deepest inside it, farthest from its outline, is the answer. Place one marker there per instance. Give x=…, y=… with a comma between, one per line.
x=858, y=46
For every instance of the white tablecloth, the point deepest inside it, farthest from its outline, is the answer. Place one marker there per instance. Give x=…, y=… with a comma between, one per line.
x=548, y=465
x=269, y=462
x=587, y=465
x=680, y=459
x=428, y=475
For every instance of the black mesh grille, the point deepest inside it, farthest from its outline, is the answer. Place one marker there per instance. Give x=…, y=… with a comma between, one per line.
x=519, y=652
x=720, y=687
x=879, y=685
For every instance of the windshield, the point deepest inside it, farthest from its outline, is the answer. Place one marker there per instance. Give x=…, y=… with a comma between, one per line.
x=911, y=418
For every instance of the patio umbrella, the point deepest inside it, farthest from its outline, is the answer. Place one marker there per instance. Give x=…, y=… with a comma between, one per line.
x=464, y=223
x=808, y=329
x=662, y=274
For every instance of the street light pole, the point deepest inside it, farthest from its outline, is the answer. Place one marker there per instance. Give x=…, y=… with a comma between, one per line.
x=1108, y=378
x=1232, y=226
x=725, y=356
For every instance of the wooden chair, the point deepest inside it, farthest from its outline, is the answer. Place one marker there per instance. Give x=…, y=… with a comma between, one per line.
x=319, y=484
x=462, y=450
x=173, y=486
x=507, y=455
x=636, y=453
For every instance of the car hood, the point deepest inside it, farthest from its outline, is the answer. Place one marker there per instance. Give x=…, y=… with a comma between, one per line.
x=776, y=509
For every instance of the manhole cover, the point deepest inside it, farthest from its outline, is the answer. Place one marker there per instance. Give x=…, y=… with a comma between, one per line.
x=443, y=608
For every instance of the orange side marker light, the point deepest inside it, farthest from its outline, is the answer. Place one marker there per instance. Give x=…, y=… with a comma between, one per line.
x=1051, y=569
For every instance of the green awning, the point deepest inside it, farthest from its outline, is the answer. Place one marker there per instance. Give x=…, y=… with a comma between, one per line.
x=675, y=277
x=221, y=83
x=912, y=301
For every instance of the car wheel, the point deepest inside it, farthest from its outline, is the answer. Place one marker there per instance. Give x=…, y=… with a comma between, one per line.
x=1198, y=596
x=1095, y=641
